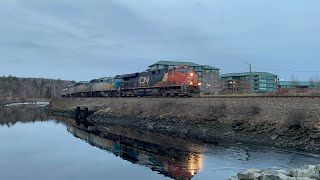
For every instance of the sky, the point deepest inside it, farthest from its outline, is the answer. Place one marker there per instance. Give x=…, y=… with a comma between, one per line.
x=82, y=40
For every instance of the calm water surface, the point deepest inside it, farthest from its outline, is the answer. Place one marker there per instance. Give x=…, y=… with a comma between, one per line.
x=36, y=146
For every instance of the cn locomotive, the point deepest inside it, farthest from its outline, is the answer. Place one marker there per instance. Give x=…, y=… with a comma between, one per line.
x=178, y=81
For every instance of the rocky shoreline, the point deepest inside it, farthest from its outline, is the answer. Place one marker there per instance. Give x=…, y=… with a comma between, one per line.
x=221, y=121
x=309, y=172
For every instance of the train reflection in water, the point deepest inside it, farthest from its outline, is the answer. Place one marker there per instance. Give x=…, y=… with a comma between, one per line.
x=170, y=162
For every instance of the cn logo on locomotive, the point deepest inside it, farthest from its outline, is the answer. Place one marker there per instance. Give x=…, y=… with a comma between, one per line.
x=144, y=80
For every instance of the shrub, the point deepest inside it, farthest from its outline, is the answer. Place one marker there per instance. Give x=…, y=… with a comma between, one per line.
x=254, y=110
x=217, y=111
x=246, y=110
x=296, y=119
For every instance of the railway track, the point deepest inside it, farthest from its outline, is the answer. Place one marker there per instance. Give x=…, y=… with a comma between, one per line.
x=259, y=97
x=203, y=97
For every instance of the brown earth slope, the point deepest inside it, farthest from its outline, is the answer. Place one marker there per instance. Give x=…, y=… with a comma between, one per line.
x=290, y=123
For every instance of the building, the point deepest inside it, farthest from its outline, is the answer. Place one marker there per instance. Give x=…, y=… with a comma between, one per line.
x=292, y=87
x=239, y=83
x=208, y=75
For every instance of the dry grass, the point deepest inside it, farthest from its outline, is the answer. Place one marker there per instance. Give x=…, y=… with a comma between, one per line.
x=296, y=119
x=228, y=111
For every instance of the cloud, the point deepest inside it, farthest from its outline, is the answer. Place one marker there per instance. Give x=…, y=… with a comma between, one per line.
x=79, y=39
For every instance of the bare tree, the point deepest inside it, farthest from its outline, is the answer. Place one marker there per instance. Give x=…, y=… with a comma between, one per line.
x=317, y=83
x=295, y=83
x=30, y=87
x=312, y=84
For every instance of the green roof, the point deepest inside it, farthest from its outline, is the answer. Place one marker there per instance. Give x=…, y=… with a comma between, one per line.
x=247, y=74
x=175, y=63
x=181, y=63
x=292, y=83
x=209, y=67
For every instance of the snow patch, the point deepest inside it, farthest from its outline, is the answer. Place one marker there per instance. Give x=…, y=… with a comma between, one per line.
x=28, y=103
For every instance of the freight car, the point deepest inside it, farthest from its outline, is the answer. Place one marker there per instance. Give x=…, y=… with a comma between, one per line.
x=177, y=81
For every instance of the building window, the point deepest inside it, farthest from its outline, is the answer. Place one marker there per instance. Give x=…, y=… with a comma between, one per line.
x=161, y=67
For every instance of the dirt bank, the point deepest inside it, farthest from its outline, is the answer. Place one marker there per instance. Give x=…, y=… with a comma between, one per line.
x=290, y=123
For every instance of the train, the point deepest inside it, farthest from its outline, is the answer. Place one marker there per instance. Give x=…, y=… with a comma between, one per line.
x=179, y=81
x=170, y=162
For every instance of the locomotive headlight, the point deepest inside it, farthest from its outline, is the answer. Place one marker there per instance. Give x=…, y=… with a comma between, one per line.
x=199, y=84
x=191, y=83
x=191, y=74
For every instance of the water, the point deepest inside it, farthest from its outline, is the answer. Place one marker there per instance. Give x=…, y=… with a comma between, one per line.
x=36, y=146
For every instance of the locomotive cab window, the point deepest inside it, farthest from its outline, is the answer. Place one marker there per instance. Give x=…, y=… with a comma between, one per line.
x=181, y=70
x=184, y=70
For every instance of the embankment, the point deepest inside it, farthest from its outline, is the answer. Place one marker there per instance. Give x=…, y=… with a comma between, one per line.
x=289, y=123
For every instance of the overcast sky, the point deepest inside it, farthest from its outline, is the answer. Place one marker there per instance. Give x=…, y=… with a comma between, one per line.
x=85, y=39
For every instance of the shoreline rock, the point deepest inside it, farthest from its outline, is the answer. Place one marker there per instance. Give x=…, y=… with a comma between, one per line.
x=309, y=172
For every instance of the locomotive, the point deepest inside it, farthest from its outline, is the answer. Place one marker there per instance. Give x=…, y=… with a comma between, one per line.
x=177, y=81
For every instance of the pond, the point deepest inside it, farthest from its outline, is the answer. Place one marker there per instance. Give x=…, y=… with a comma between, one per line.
x=37, y=146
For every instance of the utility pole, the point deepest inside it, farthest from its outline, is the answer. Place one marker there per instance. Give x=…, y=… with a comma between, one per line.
x=250, y=78
x=54, y=89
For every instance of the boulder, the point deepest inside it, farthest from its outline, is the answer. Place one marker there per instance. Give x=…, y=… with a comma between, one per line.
x=315, y=135
x=276, y=177
x=150, y=126
x=274, y=137
x=233, y=178
x=272, y=174
x=316, y=175
x=250, y=174
x=280, y=132
x=305, y=171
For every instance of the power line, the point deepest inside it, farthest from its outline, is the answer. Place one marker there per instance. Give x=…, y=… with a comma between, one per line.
x=286, y=70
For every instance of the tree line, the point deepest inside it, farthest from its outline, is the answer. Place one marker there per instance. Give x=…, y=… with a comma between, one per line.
x=11, y=86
